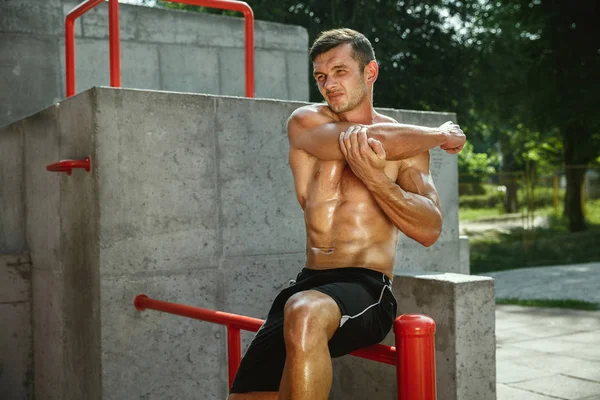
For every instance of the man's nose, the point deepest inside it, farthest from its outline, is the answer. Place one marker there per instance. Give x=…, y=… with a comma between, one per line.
x=330, y=83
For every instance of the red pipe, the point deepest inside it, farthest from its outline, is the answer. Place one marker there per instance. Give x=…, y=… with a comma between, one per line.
x=113, y=38
x=245, y=9
x=68, y=165
x=413, y=355
x=234, y=351
x=114, y=43
x=416, y=357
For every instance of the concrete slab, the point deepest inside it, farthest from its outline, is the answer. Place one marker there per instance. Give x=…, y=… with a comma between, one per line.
x=565, y=364
x=189, y=69
x=12, y=204
x=561, y=386
x=512, y=372
x=37, y=17
x=29, y=79
x=16, y=353
x=297, y=66
x=15, y=278
x=506, y=392
x=272, y=81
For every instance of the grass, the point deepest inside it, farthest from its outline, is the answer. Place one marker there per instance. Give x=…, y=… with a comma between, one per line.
x=553, y=245
x=566, y=303
x=470, y=214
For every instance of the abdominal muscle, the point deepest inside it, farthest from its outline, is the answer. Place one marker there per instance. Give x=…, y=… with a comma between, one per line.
x=345, y=227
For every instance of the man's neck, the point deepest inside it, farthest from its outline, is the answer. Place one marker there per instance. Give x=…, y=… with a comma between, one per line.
x=363, y=114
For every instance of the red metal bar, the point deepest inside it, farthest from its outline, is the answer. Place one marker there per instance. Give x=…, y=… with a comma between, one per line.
x=114, y=43
x=245, y=9
x=416, y=357
x=113, y=38
x=414, y=354
x=68, y=165
x=234, y=351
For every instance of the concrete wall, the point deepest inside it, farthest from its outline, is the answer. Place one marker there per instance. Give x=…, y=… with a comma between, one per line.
x=16, y=346
x=188, y=202
x=160, y=49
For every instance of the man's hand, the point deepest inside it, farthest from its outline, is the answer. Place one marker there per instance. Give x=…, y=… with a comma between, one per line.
x=365, y=156
x=456, y=138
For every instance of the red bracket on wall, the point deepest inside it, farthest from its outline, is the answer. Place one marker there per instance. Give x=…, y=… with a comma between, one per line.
x=68, y=165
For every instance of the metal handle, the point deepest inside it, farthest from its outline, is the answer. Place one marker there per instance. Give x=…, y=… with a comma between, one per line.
x=68, y=165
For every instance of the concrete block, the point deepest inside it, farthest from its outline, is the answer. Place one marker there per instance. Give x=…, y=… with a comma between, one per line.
x=260, y=212
x=48, y=334
x=12, y=229
x=251, y=283
x=157, y=186
x=271, y=35
x=62, y=231
x=180, y=27
x=155, y=354
x=297, y=68
x=465, y=255
x=463, y=308
x=40, y=17
x=271, y=75
x=412, y=256
x=139, y=64
x=28, y=75
x=189, y=69
x=15, y=278
x=16, y=379
x=232, y=73
x=95, y=23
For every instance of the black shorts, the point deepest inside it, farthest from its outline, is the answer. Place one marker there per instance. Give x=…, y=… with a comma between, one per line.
x=368, y=311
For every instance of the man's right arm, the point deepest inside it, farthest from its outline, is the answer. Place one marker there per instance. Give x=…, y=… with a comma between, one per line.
x=318, y=134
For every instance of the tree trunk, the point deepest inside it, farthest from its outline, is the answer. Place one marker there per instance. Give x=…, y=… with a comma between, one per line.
x=578, y=153
x=573, y=211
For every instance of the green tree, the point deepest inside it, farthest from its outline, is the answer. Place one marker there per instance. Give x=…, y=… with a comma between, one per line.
x=539, y=66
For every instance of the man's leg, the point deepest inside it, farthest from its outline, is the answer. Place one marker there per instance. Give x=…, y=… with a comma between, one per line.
x=311, y=319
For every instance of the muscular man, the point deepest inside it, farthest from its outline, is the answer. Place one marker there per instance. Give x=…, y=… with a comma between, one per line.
x=361, y=179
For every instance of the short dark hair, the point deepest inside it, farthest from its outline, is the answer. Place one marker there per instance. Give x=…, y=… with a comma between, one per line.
x=362, y=51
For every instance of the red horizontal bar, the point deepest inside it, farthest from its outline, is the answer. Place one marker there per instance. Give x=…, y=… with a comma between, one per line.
x=378, y=352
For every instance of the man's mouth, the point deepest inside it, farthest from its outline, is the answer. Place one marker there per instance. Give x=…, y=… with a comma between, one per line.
x=335, y=95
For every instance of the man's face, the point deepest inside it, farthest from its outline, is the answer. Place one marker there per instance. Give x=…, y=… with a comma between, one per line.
x=340, y=79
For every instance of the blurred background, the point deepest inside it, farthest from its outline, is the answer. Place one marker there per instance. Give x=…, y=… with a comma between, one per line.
x=523, y=77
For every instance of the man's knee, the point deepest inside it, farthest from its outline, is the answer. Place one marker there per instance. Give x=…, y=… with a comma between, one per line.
x=310, y=318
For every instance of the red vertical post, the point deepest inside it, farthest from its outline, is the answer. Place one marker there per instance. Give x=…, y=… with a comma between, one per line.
x=415, y=349
x=114, y=43
x=234, y=351
x=249, y=44
x=70, y=55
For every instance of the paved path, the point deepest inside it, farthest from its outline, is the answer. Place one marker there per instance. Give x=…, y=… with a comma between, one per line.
x=577, y=282
x=548, y=353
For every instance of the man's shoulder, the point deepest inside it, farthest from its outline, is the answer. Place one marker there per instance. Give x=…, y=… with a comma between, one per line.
x=312, y=114
x=384, y=118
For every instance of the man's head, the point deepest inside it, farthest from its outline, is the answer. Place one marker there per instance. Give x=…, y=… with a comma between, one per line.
x=344, y=67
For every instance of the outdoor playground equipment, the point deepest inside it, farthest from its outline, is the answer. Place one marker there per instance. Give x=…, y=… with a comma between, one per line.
x=414, y=353
x=413, y=356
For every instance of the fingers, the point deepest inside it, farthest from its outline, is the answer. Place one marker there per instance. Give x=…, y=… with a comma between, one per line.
x=342, y=145
x=377, y=147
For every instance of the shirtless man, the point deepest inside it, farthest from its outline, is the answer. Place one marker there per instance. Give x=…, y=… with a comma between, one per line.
x=361, y=179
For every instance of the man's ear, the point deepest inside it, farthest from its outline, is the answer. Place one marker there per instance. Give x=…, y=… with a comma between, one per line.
x=371, y=71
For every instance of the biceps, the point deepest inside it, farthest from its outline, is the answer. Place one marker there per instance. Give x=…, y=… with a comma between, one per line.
x=320, y=141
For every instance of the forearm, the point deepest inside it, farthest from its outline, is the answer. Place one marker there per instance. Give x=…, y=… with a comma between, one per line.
x=402, y=141
x=417, y=216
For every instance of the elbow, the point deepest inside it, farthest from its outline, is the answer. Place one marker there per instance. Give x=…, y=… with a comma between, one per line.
x=431, y=235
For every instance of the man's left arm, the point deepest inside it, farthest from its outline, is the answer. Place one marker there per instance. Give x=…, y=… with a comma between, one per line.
x=412, y=202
